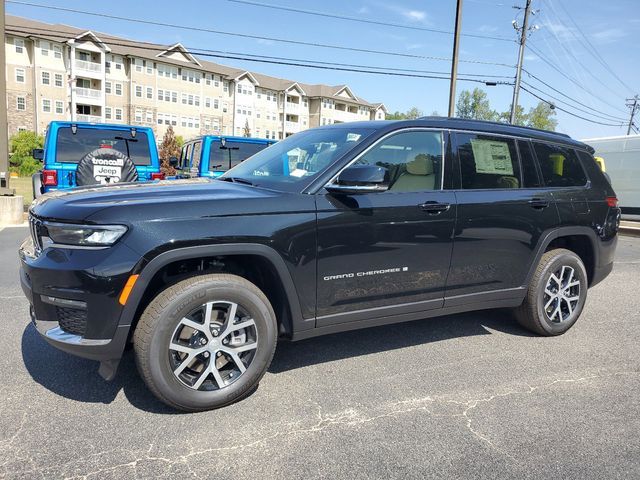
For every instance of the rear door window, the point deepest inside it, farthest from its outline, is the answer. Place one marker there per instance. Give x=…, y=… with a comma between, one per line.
x=488, y=162
x=530, y=177
x=72, y=147
x=560, y=165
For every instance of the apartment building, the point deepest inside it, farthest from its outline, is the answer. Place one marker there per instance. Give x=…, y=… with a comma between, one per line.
x=58, y=72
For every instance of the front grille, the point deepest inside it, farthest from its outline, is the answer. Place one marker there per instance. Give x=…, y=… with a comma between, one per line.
x=72, y=320
x=34, y=228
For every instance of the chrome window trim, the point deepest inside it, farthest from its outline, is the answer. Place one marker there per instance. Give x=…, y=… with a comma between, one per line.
x=391, y=134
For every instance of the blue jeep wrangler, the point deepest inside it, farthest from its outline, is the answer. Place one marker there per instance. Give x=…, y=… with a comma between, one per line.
x=78, y=154
x=212, y=155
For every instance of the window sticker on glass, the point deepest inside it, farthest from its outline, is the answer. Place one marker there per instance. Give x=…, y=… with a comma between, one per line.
x=298, y=172
x=492, y=156
x=353, y=137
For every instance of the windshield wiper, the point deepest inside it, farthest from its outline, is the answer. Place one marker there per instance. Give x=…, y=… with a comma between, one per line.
x=238, y=180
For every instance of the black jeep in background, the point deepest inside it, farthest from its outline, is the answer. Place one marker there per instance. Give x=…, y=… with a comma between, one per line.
x=332, y=229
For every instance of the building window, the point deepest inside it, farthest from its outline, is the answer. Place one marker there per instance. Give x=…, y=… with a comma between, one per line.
x=57, y=51
x=149, y=115
x=21, y=103
x=107, y=113
x=46, y=105
x=138, y=116
x=59, y=107
x=174, y=97
x=107, y=67
x=226, y=86
x=19, y=43
x=139, y=91
x=207, y=79
x=160, y=94
x=119, y=89
x=44, y=48
x=216, y=83
x=46, y=78
x=207, y=102
x=216, y=104
x=150, y=68
x=138, y=64
x=196, y=100
x=150, y=92
x=190, y=97
x=20, y=75
x=107, y=88
x=184, y=98
x=118, y=114
x=58, y=80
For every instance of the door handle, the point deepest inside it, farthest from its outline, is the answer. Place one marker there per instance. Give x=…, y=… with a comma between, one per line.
x=538, y=203
x=434, y=208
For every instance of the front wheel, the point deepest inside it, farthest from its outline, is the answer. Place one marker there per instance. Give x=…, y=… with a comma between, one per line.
x=205, y=342
x=556, y=295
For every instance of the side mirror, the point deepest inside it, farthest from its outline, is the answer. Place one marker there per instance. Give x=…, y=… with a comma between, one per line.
x=38, y=153
x=360, y=179
x=173, y=162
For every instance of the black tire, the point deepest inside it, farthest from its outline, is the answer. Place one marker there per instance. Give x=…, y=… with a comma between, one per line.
x=158, y=324
x=36, y=184
x=532, y=314
x=116, y=168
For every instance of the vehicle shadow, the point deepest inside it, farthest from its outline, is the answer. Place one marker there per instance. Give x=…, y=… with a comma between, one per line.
x=328, y=348
x=77, y=379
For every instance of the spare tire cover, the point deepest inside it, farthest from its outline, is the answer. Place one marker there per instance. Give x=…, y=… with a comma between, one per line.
x=105, y=166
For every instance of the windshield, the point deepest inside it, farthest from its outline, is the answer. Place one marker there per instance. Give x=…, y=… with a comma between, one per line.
x=294, y=162
x=224, y=158
x=70, y=147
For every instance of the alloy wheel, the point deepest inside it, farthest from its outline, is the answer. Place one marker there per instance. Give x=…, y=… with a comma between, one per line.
x=213, y=346
x=561, y=294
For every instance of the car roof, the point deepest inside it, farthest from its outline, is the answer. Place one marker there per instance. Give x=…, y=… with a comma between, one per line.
x=471, y=125
x=119, y=126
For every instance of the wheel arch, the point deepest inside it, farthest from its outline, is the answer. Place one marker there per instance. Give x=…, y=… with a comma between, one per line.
x=146, y=286
x=580, y=240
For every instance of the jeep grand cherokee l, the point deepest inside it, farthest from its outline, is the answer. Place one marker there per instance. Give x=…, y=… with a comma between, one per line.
x=332, y=229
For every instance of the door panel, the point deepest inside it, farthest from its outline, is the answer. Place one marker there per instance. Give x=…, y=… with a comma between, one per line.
x=499, y=224
x=380, y=250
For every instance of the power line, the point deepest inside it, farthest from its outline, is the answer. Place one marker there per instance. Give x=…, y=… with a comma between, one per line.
x=558, y=70
x=364, y=20
x=588, y=112
x=568, y=112
x=592, y=49
x=567, y=96
x=291, y=62
x=244, y=35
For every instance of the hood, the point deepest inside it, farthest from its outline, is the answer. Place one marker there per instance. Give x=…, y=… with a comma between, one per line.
x=166, y=199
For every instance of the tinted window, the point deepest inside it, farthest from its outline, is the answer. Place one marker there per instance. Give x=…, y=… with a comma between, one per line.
x=530, y=177
x=559, y=165
x=488, y=162
x=413, y=160
x=70, y=148
x=184, y=158
x=224, y=158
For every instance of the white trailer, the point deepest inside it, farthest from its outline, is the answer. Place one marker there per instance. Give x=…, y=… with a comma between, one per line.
x=622, y=162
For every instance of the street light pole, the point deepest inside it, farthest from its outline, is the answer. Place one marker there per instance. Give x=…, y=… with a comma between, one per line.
x=454, y=60
x=523, y=39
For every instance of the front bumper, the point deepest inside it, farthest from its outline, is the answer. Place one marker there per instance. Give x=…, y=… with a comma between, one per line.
x=59, y=281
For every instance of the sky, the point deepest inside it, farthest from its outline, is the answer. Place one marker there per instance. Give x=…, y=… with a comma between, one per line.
x=593, y=43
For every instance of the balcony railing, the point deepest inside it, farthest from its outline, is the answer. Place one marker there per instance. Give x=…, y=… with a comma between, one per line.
x=90, y=93
x=91, y=67
x=88, y=118
x=292, y=126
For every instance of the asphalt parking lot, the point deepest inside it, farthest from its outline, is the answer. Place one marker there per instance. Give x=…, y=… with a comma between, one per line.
x=469, y=395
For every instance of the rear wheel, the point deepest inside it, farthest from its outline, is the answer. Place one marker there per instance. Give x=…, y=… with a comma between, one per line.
x=205, y=342
x=556, y=294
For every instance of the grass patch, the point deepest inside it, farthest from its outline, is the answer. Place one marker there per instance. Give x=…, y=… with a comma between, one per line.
x=22, y=186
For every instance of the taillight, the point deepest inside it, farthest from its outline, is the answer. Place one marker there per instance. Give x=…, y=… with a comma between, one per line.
x=50, y=178
x=157, y=176
x=612, y=201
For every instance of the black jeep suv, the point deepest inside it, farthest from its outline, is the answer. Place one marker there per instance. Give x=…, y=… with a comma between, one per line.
x=332, y=229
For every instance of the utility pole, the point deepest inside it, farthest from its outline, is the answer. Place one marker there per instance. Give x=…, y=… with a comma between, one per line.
x=4, y=141
x=523, y=38
x=632, y=103
x=454, y=60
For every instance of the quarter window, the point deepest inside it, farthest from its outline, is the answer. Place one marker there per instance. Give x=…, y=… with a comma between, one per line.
x=560, y=165
x=488, y=162
x=413, y=160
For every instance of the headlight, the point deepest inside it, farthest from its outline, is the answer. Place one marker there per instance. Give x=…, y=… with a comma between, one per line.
x=83, y=235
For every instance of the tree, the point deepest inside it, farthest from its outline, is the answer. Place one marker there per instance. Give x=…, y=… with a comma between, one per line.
x=541, y=116
x=246, y=131
x=21, y=146
x=411, y=114
x=168, y=148
x=475, y=105
x=180, y=140
x=521, y=117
